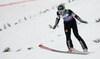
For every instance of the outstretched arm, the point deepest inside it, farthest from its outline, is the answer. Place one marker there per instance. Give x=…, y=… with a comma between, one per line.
x=57, y=21
x=77, y=17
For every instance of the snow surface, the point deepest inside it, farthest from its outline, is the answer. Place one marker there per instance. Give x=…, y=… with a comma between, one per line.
x=35, y=29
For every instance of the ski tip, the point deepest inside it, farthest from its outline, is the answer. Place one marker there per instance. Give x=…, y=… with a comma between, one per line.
x=40, y=45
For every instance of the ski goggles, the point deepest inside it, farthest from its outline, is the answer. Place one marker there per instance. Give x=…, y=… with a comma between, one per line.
x=61, y=10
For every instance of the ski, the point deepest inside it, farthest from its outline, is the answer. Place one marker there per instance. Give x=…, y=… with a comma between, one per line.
x=50, y=49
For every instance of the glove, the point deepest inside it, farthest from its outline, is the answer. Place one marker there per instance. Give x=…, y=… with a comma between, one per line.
x=85, y=22
x=54, y=27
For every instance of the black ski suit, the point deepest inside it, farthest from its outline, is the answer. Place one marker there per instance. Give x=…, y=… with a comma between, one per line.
x=70, y=23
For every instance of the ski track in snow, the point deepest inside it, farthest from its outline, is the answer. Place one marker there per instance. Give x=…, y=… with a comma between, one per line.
x=16, y=3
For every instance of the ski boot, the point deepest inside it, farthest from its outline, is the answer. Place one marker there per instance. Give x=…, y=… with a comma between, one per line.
x=73, y=50
x=85, y=50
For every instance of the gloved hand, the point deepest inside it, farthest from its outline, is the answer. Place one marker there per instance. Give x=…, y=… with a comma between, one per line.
x=85, y=22
x=54, y=27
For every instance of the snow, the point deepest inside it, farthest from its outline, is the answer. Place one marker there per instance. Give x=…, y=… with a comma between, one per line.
x=35, y=29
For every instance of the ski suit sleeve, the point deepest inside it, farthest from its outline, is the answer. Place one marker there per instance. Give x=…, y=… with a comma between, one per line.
x=77, y=17
x=57, y=20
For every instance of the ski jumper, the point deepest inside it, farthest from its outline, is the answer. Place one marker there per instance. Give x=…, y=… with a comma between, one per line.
x=70, y=23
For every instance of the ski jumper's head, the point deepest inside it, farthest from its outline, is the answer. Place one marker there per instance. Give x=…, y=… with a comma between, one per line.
x=61, y=9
